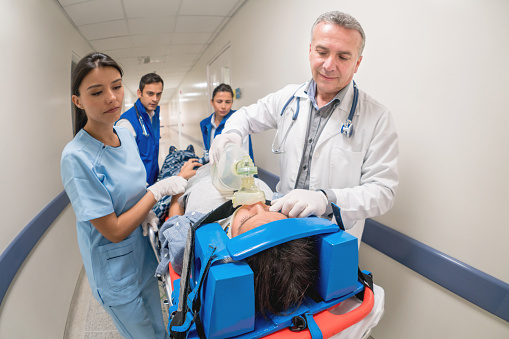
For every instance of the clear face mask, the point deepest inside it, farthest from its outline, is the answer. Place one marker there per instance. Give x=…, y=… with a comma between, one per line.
x=234, y=172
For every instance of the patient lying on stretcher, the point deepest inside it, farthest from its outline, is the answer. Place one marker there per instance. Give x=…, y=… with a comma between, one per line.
x=296, y=262
x=283, y=274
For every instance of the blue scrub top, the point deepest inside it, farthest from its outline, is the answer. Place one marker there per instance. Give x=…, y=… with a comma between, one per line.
x=100, y=180
x=206, y=129
x=148, y=145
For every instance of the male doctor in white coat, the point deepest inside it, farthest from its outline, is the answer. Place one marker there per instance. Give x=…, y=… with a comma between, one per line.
x=318, y=163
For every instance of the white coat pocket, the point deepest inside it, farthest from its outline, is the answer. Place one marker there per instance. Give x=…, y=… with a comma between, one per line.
x=345, y=168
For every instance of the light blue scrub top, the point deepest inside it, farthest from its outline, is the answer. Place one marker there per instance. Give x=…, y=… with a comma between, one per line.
x=99, y=180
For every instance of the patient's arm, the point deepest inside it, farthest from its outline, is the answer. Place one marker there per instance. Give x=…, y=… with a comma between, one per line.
x=175, y=208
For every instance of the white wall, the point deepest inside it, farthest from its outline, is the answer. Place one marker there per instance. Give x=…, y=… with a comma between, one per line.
x=35, y=109
x=441, y=67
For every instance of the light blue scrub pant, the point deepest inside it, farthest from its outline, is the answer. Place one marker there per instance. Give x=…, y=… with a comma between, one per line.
x=141, y=318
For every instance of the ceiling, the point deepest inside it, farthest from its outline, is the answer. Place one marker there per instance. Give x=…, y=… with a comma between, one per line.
x=163, y=36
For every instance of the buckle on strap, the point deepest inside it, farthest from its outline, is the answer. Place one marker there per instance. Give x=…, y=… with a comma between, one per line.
x=300, y=323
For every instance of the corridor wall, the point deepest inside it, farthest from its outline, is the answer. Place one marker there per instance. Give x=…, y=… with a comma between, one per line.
x=38, y=43
x=441, y=68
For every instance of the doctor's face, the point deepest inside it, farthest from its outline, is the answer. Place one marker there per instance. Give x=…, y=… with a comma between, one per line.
x=101, y=94
x=248, y=217
x=334, y=58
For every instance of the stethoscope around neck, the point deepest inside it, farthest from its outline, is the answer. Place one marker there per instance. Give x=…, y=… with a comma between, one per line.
x=143, y=128
x=346, y=128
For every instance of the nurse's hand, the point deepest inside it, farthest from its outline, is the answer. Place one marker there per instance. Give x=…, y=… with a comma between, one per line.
x=169, y=186
x=152, y=221
x=301, y=203
x=220, y=142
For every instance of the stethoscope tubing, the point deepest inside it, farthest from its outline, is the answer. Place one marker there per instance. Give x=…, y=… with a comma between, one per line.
x=346, y=129
x=143, y=128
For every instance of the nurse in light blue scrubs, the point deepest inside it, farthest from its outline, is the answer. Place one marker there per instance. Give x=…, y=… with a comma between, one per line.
x=104, y=178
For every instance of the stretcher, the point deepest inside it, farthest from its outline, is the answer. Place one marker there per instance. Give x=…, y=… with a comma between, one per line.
x=221, y=316
x=165, y=280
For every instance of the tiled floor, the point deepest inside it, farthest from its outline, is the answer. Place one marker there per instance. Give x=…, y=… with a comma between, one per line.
x=87, y=319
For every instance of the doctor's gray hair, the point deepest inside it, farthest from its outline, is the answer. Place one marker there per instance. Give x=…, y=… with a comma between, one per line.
x=343, y=20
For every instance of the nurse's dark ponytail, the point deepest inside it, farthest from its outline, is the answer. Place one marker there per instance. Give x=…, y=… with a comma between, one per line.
x=84, y=66
x=222, y=88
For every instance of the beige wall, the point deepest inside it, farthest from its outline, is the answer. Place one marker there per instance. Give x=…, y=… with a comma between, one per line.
x=441, y=67
x=37, y=47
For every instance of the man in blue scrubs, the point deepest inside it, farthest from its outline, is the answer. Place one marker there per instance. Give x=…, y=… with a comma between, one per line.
x=143, y=121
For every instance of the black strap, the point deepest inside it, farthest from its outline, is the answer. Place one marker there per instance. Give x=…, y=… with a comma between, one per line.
x=223, y=211
x=197, y=302
x=366, y=280
x=337, y=215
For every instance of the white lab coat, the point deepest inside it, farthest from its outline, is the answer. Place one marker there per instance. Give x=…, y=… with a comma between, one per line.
x=360, y=170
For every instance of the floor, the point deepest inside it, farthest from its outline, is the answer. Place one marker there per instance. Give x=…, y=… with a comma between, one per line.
x=87, y=319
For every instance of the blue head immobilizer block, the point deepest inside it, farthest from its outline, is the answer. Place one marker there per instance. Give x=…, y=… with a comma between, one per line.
x=339, y=259
x=228, y=307
x=228, y=301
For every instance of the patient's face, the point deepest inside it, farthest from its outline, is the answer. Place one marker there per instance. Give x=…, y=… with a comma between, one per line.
x=251, y=216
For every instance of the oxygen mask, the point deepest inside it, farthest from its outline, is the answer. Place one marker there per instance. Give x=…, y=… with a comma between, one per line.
x=234, y=172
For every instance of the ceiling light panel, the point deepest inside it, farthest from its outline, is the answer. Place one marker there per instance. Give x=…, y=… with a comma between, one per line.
x=95, y=11
x=68, y=2
x=155, y=52
x=186, y=49
x=151, y=25
x=149, y=40
x=185, y=38
x=208, y=7
x=198, y=24
x=151, y=8
x=112, y=43
x=108, y=29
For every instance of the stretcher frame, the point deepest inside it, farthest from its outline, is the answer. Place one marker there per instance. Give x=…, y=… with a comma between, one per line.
x=166, y=281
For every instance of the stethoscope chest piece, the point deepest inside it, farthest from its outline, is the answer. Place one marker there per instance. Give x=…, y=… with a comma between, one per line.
x=347, y=129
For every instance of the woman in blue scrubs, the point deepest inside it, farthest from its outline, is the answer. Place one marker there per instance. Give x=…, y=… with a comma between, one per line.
x=212, y=126
x=104, y=178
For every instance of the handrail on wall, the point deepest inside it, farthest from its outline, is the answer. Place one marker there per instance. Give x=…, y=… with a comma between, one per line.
x=17, y=251
x=479, y=288
x=469, y=283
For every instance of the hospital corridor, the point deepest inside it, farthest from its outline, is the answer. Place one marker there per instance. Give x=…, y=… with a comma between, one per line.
x=338, y=169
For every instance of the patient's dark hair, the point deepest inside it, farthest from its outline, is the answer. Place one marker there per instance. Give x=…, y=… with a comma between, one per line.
x=283, y=274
